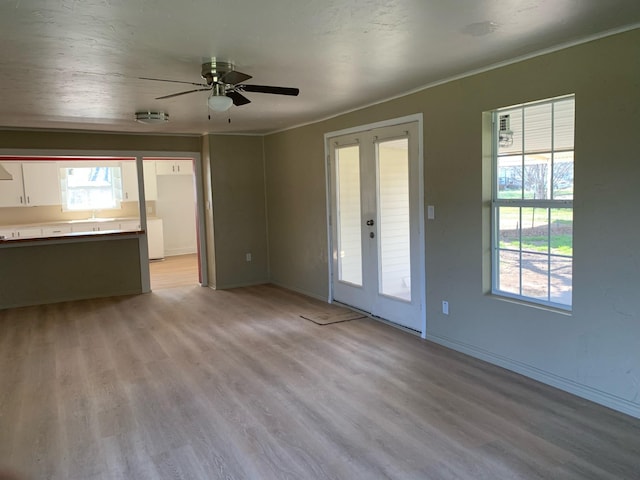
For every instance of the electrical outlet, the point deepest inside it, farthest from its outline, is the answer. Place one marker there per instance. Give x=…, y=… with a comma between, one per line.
x=248, y=257
x=445, y=307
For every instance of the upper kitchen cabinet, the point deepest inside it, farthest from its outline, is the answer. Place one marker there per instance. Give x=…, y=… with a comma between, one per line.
x=174, y=167
x=130, y=181
x=12, y=191
x=33, y=184
x=41, y=183
x=150, y=181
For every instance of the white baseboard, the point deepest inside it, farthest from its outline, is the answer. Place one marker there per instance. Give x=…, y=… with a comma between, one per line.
x=179, y=251
x=301, y=291
x=227, y=286
x=575, y=388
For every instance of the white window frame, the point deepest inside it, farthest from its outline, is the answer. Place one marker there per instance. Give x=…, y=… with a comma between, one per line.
x=549, y=204
x=116, y=184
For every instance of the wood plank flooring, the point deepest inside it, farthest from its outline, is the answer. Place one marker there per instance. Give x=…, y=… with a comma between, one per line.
x=174, y=271
x=191, y=383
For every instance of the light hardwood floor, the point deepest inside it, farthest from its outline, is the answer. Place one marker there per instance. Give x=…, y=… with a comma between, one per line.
x=194, y=383
x=175, y=271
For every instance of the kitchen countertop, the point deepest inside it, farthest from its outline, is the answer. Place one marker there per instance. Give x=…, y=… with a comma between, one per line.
x=72, y=222
x=85, y=234
x=71, y=236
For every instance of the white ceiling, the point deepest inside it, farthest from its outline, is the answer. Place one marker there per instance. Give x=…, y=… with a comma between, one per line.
x=75, y=64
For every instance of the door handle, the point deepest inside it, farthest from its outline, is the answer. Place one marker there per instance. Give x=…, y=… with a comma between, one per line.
x=370, y=223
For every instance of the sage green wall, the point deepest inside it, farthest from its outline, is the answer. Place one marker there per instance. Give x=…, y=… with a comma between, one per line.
x=594, y=351
x=33, y=139
x=239, y=221
x=297, y=223
x=37, y=274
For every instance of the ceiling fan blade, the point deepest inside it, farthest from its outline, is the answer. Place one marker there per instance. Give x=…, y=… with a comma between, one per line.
x=173, y=81
x=238, y=99
x=269, y=89
x=234, y=77
x=183, y=93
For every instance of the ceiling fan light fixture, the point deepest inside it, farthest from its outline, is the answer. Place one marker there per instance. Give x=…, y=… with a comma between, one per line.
x=152, y=118
x=220, y=103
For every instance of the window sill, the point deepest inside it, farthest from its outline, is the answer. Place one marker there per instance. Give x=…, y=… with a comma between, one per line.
x=518, y=301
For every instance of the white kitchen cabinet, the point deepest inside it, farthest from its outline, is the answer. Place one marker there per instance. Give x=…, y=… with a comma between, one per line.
x=130, y=225
x=174, y=167
x=33, y=184
x=130, y=181
x=12, y=191
x=6, y=233
x=56, y=230
x=21, y=232
x=41, y=183
x=81, y=227
x=150, y=180
x=27, y=232
x=155, y=238
x=95, y=226
x=107, y=226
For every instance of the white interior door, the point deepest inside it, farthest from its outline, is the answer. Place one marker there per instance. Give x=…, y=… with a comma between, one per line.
x=375, y=185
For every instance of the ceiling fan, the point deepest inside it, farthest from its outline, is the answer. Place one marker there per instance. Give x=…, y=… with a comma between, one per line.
x=225, y=85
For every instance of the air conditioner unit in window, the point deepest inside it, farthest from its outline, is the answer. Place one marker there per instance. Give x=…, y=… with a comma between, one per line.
x=505, y=135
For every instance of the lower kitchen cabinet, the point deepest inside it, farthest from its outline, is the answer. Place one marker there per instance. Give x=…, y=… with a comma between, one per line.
x=155, y=238
x=55, y=230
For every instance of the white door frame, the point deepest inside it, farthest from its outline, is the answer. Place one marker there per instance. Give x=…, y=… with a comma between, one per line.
x=329, y=199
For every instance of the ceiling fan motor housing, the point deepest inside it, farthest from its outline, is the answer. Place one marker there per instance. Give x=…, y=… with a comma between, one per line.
x=212, y=71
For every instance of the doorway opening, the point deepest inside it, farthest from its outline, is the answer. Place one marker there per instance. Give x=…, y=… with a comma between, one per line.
x=175, y=260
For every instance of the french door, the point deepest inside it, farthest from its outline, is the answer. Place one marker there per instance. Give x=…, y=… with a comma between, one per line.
x=375, y=223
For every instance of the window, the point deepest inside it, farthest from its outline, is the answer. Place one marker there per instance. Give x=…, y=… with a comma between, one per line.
x=90, y=187
x=532, y=202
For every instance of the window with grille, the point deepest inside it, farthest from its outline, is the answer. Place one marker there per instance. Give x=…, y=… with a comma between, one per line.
x=90, y=186
x=532, y=202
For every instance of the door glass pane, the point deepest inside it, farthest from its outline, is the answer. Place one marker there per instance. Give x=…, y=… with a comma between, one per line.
x=349, y=239
x=393, y=207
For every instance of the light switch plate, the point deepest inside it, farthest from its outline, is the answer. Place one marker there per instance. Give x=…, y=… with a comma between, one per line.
x=431, y=212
